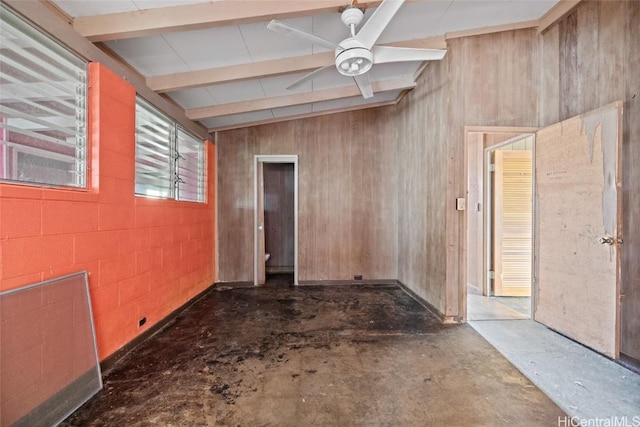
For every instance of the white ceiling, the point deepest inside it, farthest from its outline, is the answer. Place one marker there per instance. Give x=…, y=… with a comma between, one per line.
x=172, y=52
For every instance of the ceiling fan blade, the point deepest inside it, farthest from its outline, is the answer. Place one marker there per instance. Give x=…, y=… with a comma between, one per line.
x=294, y=32
x=384, y=54
x=312, y=75
x=371, y=30
x=364, y=84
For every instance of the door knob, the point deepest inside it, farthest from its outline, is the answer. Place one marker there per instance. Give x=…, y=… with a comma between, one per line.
x=608, y=240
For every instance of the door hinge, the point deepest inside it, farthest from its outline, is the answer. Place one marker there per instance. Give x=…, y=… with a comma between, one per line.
x=492, y=274
x=492, y=167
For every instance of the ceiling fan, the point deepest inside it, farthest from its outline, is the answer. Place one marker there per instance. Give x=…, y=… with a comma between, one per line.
x=355, y=55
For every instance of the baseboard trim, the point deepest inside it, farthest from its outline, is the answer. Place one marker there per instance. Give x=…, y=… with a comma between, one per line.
x=630, y=363
x=279, y=270
x=426, y=304
x=109, y=362
x=227, y=285
x=346, y=282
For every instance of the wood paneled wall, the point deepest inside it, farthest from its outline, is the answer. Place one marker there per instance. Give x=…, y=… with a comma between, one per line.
x=488, y=80
x=347, y=194
x=235, y=205
x=493, y=82
x=592, y=58
x=422, y=185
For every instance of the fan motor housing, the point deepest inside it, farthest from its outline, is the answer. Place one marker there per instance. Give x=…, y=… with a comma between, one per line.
x=353, y=58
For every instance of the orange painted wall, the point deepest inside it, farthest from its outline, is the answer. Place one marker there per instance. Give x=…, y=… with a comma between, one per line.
x=145, y=257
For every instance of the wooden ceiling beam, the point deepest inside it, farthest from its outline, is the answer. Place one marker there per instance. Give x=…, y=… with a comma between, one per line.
x=304, y=115
x=491, y=29
x=557, y=12
x=271, y=68
x=293, y=99
x=148, y=22
x=235, y=73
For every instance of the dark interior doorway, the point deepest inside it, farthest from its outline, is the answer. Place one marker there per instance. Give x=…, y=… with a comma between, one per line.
x=279, y=279
x=279, y=218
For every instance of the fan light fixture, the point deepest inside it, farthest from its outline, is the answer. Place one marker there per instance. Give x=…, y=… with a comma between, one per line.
x=354, y=60
x=355, y=55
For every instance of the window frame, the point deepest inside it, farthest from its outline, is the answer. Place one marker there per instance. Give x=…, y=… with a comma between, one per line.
x=191, y=142
x=42, y=133
x=173, y=179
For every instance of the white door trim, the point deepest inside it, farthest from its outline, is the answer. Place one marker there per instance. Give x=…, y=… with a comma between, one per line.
x=462, y=261
x=256, y=247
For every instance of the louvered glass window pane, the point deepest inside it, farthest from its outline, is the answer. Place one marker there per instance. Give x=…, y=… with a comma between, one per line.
x=42, y=107
x=154, y=158
x=190, y=167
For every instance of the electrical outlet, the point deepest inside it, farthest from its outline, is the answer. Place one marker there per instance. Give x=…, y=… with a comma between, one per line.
x=357, y=277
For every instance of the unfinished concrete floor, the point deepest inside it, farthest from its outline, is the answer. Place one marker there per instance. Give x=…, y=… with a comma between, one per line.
x=314, y=355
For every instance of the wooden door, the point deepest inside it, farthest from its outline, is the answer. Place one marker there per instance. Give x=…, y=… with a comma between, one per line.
x=578, y=227
x=512, y=224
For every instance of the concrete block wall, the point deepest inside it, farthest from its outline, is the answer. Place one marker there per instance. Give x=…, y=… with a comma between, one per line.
x=145, y=257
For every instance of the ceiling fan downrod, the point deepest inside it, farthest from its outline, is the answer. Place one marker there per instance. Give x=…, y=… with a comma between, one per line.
x=352, y=17
x=352, y=57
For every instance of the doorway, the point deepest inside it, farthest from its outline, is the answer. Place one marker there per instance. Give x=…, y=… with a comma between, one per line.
x=577, y=230
x=276, y=219
x=278, y=222
x=499, y=224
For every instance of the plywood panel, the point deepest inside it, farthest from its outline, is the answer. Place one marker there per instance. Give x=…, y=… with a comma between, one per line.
x=458, y=56
x=475, y=210
x=599, y=42
x=347, y=189
x=577, y=185
x=630, y=307
x=585, y=37
x=568, y=69
x=421, y=171
x=610, y=60
x=235, y=207
x=550, y=84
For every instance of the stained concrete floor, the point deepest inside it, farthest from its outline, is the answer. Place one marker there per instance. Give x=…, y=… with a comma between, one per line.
x=583, y=383
x=314, y=355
